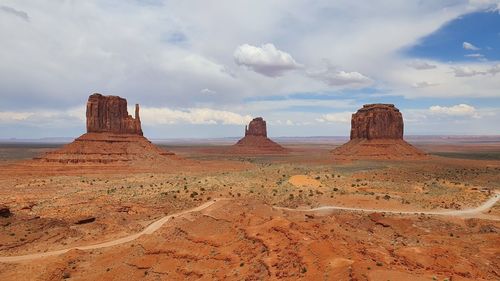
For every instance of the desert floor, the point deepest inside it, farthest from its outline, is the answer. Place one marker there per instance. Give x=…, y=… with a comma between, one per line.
x=220, y=217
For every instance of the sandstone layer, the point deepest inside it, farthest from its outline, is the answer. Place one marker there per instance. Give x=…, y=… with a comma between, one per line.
x=112, y=136
x=377, y=133
x=256, y=140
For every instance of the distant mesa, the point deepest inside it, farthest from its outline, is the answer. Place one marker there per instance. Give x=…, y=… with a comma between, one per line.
x=377, y=133
x=112, y=136
x=256, y=140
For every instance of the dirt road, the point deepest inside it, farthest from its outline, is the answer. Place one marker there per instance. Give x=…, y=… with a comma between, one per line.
x=159, y=223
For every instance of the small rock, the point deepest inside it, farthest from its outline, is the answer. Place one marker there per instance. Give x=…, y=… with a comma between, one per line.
x=5, y=211
x=85, y=220
x=487, y=229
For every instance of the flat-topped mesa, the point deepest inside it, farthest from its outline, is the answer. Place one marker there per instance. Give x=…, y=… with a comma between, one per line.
x=108, y=114
x=377, y=133
x=113, y=136
x=377, y=121
x=256, y=127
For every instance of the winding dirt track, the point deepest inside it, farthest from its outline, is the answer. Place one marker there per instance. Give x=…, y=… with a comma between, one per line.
x=159, y=223
x=148, y=230
x=465, y=212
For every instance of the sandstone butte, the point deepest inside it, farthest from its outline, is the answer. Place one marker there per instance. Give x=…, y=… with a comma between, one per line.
x=256, y=141
x=377, y=133
x=113, y=136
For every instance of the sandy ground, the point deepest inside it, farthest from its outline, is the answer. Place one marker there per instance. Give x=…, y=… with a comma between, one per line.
x=244, y=237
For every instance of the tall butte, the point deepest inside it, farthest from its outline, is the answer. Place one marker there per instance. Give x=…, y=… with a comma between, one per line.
x=108, y=114
x=377, y=133
x=113, y=136
x=256, y=140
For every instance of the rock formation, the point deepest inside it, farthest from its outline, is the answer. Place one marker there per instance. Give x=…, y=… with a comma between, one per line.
x=377, y=133
x=377, y=121
x=4, y=211
x=256, y=140
x=112, y=136
x=257, y=127
x=109, y=114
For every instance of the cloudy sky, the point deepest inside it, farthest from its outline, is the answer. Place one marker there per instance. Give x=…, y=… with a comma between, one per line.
x=205, y=68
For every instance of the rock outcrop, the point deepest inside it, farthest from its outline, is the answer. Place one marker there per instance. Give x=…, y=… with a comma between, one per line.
x=109, y=114
x=256, y=140
x=113, y=136
x=5, y=211
x=377, y=133
x=377, y=121
x=257, y=127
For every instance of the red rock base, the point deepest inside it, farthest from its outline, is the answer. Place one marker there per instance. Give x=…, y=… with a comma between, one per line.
x=381, y=149
x=106, y=148
x=257, y=145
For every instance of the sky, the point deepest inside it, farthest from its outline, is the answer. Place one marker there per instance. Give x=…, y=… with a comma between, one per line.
x=204, y=69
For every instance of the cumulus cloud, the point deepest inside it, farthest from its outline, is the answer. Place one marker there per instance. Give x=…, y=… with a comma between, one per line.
x=207, y=91
x=469, y=46
x=266, y=59
x=163, y=115
x=421, y=65
x=18, y=13
x=43, y=118
x=166, y=55
x=455, y=110
x=476, y=55
x=423, y=84
x=10, y=116
x=333, y=77
x=494, y=69
x=465, y=71
x=338, y=117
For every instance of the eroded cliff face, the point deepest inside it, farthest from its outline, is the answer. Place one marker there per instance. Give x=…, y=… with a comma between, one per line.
x=109, y=114
x=257, y=127
x=377, y=121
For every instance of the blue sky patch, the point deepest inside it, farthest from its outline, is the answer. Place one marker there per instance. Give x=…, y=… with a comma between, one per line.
x=481, y=29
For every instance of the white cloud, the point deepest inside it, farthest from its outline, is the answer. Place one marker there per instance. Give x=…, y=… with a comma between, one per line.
x=276, y=105
x=10, y=116
x=207, y=91
x=167, y=54
x=492, y=5
x=469, y=46
x=41, y=118
x=476, y=55
x=338, y=117
x=266, y=59
x=421, y=65
x=423, y=84
x=455, y=110
x=333, y=77
x=150, y=116
x=494, y=69
x=163, y=115
x=465, y=71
